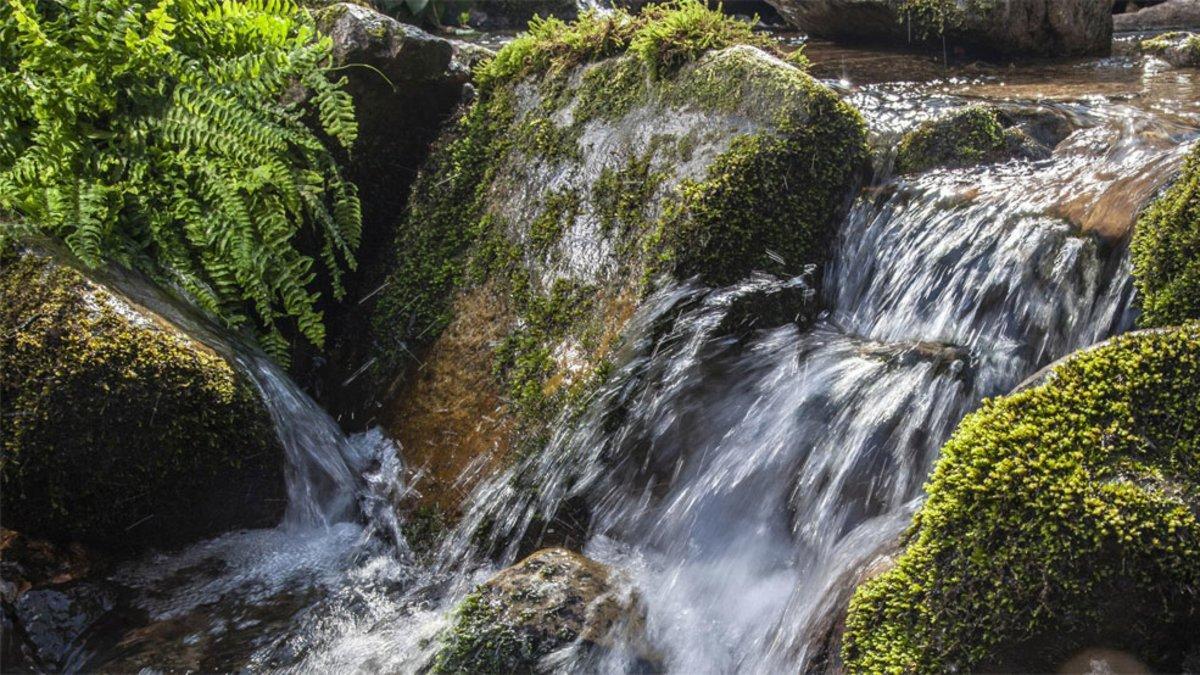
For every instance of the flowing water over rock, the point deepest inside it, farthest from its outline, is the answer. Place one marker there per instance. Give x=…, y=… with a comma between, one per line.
x=757, y=447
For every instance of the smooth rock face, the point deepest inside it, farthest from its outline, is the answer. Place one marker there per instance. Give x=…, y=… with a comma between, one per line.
x=1172, y=14
x=405, y=84
x=120, y=430
x=546, y=602
x=1007, y=27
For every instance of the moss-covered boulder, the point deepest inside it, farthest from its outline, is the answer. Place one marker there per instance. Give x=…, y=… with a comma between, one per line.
x=1181, y=50
x=1166, y=251
x=1061, y=517
x=966, y=137
x=118, y=429
x=551, y=600
x=1019, y=28
x=600, y=157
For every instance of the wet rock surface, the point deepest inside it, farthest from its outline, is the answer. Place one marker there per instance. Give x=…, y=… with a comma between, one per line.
x=552, y=599
x=980, y=135
x=1181, y=50
x=120, y=430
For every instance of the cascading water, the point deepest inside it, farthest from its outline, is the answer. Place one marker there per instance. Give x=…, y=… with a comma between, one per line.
x=757, y=447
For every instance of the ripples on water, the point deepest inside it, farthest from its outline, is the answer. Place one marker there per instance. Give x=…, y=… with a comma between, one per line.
x=741, y=479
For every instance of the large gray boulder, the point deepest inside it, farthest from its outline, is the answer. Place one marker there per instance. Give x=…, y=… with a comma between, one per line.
x=1170, y=15
x=1006, y=27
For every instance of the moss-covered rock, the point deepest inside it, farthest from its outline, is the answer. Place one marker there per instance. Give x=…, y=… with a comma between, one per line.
x=1181, y=50
x=598, y=156
x=965, y=137
x=550, y=600
x=118, y=429
x=1064, y=516
x=1166, y=251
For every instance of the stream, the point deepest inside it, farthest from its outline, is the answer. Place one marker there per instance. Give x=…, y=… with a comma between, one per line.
x=756, y=447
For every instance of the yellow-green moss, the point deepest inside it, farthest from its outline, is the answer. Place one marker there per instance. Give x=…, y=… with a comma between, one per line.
x=1166, y=251
x=117, y=431
x=1060, y=517
x=962, y=138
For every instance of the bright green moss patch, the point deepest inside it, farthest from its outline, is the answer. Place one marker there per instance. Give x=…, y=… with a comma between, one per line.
x=962, y=138
x=1060, y=517
x=1166, y=251
x=118, y=431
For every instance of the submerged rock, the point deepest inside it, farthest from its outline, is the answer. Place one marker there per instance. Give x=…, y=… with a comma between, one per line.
x=974, y=135
x=551, y=600
x=1062, y=517
x=120, y=430
x=1166, y=251
x=600, y=158
x=1181, y=50
x=53, y=620
x=1170, y=15
x=1020, y=28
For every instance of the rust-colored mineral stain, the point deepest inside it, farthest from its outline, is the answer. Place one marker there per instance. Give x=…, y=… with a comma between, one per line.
x=451, y=419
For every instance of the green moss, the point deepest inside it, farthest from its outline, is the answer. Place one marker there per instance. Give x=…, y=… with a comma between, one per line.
x=119, y=432
x=786, y=152
x=1166, y=251
x=664, y=36
x=1060, y=517
x=481, y=642
x=962, y=138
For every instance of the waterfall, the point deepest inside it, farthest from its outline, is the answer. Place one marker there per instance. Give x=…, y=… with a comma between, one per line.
x=744, y=480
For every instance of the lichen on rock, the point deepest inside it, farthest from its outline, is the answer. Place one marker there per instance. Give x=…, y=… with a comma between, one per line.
x=600, y=156
x=546, y=602
x=1059, y=517
x=118, y=429
x=1166, y=251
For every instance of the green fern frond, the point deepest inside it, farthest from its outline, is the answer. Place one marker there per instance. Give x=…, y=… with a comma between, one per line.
x=167, y=133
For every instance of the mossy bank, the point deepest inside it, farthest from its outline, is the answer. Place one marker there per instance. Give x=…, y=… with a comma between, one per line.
x=1166, y=251
x=601, y=157
x=1060, y=517
x=118, y=429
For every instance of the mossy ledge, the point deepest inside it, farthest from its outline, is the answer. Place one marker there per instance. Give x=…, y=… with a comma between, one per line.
x=1166, y=251
x=1060, y=517
x=598, y=157
x=118, y=430
x=965, y=137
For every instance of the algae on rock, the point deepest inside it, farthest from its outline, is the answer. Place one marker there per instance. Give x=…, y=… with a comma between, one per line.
x=118, y=429
x=1059, y=517
x=599, y=157
x=546, y=602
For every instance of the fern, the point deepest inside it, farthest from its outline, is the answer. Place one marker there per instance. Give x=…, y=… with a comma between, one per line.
x=169, y=134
